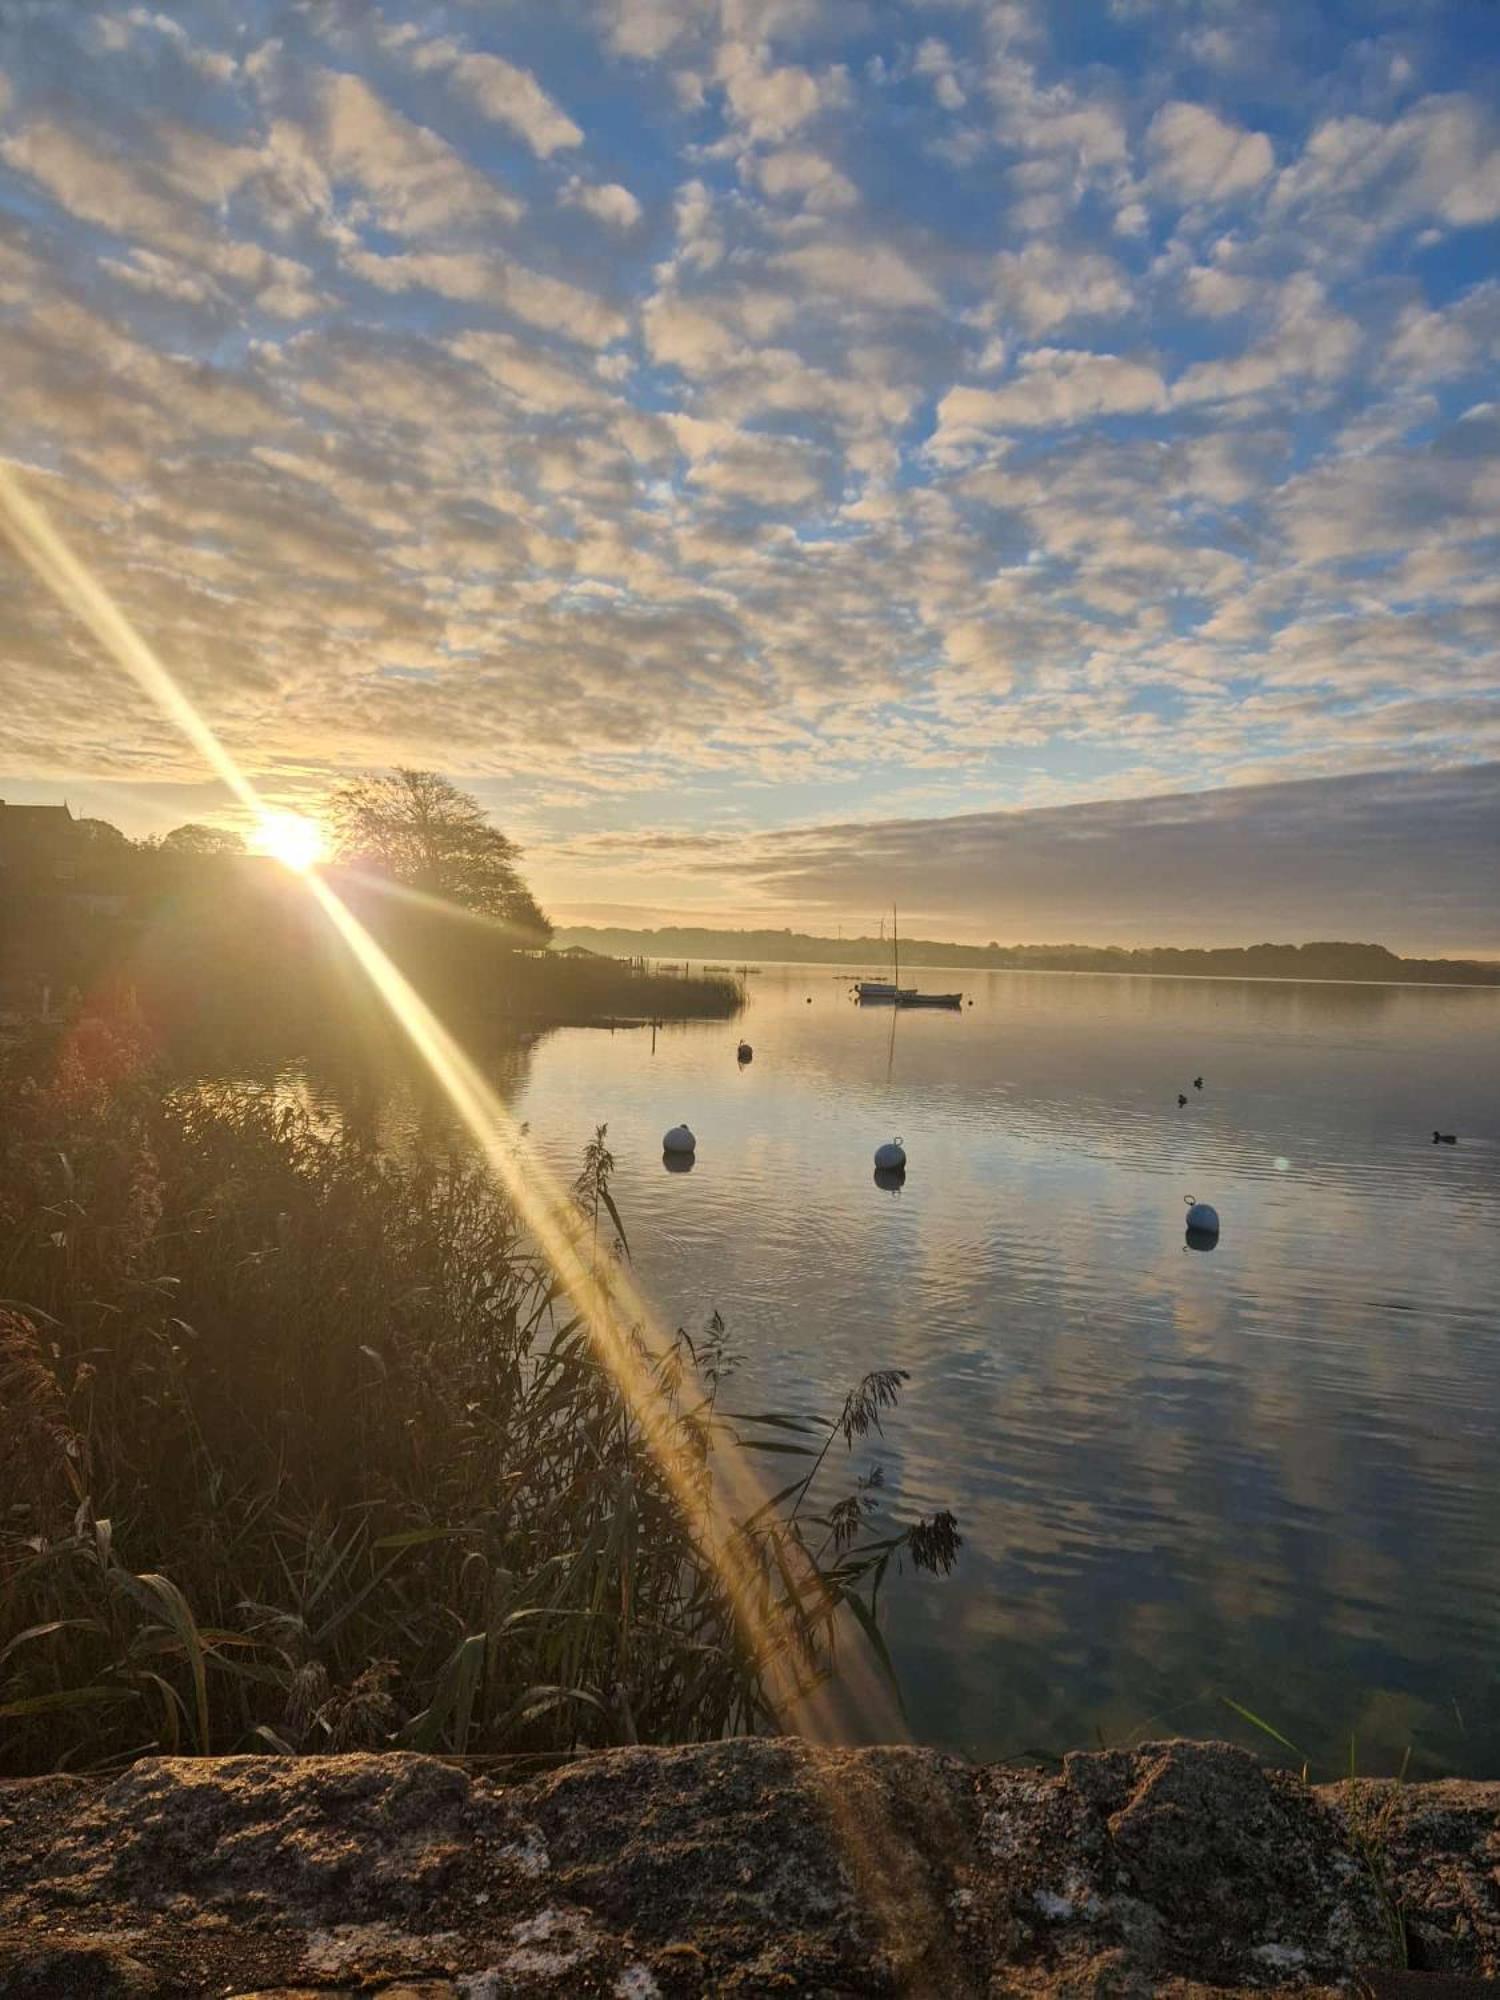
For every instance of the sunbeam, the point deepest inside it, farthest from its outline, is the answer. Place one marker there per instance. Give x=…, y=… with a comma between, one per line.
x=613, y=1312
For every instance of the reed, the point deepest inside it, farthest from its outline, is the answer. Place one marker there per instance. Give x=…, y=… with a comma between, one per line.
x=302, y=1449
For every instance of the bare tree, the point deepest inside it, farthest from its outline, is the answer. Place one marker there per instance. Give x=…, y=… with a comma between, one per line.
x=418, y=828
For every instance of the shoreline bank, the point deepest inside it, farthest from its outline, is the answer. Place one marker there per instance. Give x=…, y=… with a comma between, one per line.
x=754, y=1865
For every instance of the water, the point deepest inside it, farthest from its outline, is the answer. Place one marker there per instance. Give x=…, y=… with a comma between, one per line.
x=1269, y=1472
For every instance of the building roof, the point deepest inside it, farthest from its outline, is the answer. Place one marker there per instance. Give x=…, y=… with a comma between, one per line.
x=42, y=817
x=44, y=839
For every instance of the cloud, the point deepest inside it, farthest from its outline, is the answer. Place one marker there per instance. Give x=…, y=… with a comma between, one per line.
x=1053, y=386
x=499, y=89
x=535, y=378
x=862, y=274
x=1066, y=141
x=1215, y=293
x=92, y=185
x=1044, y=285
x=415, y=184
x=161, y=206
x=845, y=413
x=798, y=173
x=1197, y=157
x=682, y=334
x=513, y=97
x=1398, y=857
x=979, y=655
x=606, y=201
x=1441, y=158
x=646, y=30
x=1445, y=489
x=769, y=102
x=935, y=59
x=1309, y=342
x=767, y=471
x=479, y=277
x=1458, y=339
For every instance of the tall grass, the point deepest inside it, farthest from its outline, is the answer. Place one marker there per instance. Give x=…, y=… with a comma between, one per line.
x=302, y=1448
x=547, y=987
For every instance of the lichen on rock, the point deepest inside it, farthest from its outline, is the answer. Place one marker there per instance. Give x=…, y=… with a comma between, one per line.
x=749, y=1867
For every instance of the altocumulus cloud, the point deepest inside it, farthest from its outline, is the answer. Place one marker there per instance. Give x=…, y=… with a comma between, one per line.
x=765, y=413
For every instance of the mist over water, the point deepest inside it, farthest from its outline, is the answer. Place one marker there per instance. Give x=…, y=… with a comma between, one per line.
x=1269, y=1471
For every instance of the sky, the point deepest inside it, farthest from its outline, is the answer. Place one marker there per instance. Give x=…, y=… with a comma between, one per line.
x=1038, y=461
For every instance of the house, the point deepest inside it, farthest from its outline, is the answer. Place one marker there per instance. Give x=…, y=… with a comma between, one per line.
x=40, y=846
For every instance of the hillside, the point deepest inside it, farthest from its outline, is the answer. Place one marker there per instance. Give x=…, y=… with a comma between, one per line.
x=1317, y=960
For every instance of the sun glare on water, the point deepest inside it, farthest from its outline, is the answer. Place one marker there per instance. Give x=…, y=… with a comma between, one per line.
x=295, y=842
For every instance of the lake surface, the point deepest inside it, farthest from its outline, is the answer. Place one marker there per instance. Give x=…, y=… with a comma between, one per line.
x=1270, y=1472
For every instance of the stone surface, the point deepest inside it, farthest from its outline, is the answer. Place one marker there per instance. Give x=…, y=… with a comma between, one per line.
x=752, y=1867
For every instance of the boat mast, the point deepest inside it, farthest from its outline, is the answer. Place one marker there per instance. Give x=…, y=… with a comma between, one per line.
x=895, y=950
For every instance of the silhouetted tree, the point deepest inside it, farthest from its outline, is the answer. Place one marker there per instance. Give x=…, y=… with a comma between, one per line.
x=200, y=841
x=102, y=836
x=418, y=828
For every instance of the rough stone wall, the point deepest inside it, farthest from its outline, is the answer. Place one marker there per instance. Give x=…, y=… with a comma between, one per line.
x=752, y=1867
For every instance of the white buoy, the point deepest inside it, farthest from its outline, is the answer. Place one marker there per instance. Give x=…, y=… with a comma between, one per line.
x=1202, y=1220
x=679, y=1140
x=891, y=1156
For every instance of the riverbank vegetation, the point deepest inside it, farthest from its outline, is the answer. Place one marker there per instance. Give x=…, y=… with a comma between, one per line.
x=304, y=1447
x=222, y=947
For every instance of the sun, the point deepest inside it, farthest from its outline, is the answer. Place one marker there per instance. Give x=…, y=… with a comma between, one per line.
x=295, y=842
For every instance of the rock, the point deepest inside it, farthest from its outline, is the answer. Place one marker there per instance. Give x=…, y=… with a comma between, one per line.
x=1435, y=1851
x=1254, y=1868
x=322, y=1840
x=87, y=1968
x=743, y=1868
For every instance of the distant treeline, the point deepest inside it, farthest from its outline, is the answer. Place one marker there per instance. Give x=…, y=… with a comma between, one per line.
x=1320, y=960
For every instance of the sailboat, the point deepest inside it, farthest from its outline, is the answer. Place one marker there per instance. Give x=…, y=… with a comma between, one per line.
x=908, y=996
x=890, y=990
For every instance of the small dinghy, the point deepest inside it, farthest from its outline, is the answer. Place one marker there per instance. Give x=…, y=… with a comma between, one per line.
x=929, y=999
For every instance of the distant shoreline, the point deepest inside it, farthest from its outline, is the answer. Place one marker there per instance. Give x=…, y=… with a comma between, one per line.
x=1322, y=962
x=1123, y=972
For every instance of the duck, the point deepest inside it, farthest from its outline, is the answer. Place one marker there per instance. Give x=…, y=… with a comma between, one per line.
x=1197, y=1083
x=1181, y=1100
x=1445, y=1138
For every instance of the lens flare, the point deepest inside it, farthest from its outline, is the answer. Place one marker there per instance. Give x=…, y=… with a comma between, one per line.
x=625, y=1333
x=296, y=842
